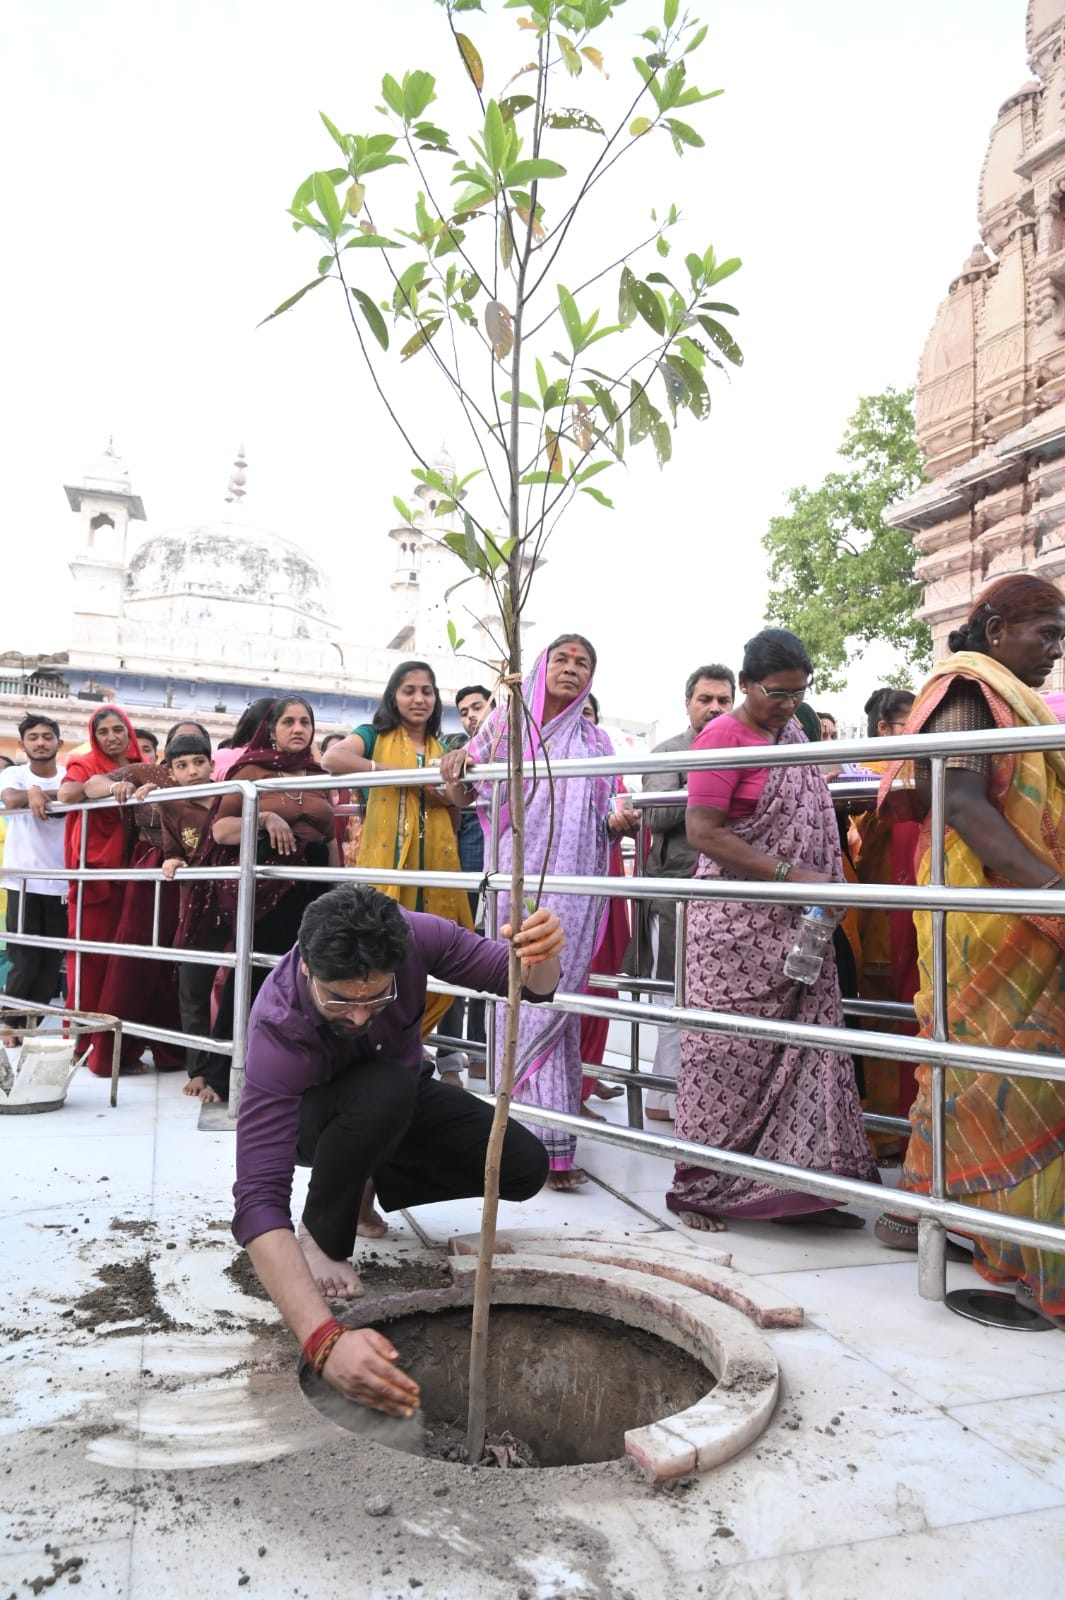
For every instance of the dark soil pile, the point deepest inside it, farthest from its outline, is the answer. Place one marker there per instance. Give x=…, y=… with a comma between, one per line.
x=128, y=1295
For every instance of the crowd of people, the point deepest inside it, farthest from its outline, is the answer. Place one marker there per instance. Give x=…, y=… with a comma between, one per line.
x=792, y=1101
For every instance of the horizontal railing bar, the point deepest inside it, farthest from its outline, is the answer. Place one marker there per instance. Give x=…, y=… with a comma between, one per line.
x=99, y=947
x=121, y=874
x=958, y=1218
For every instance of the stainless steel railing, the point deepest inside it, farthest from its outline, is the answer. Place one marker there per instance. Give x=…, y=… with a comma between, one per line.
x=934, y=1213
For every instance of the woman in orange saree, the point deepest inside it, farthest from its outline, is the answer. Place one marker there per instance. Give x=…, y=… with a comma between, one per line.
x=1005, y=817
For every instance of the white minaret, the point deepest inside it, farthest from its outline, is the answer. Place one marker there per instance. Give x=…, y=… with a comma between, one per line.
x=107, y=505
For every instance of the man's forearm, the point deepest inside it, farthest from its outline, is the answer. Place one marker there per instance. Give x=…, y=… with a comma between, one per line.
x=286, y=1277
x=543, y=978
x=14, y=799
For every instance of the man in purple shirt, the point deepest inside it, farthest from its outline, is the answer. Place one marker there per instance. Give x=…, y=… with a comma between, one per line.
x=334, y=1081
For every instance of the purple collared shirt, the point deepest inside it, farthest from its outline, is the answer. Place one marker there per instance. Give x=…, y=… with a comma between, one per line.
x=291, y=1048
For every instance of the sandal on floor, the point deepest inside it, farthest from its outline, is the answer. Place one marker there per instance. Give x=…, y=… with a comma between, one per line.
x=899, y=1233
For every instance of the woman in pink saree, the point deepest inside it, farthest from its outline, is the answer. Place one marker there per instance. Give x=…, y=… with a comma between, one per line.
x=786, y=1102
x=578, y=845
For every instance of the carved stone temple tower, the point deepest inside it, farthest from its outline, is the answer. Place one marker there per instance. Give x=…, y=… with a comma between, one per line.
x=991, y=384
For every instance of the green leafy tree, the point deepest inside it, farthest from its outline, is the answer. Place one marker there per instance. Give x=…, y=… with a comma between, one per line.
x=841, y=578
x=479, y=253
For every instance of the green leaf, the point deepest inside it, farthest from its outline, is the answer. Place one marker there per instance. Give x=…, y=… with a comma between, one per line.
x=541, y=379
x=682, y=135
x=472, y=61
x=453, y=637
x=570, y=316
x=530, y=171
x=722, y=339
x=639, y=125
x=370, y=241
x=474, y=555
x=425, y=333
x=403, y=509
x=597, y=494
x=523, y=399
x=495, y=138
x=514, y=105
x=663, y=442
x=419, y=91
x=570, y=57
x=325, y=198
x=648, y=305
x=662, y=245
x=574, y=117
x=725, y=270
x=626, y=301
x=292, y=299
x=325, y=263
x=669, y=15
x=334, y=133
x=392, y=93
x=593, y=471
x=697, y=41
x=373, y=316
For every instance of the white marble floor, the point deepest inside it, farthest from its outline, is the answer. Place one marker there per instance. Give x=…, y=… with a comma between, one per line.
x=909, y=1448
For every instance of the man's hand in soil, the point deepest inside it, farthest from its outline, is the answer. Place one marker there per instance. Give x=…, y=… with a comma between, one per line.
x=360, y=1367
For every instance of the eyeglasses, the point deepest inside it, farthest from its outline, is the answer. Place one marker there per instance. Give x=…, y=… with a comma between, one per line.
x=781, y=697
x=344, y=1008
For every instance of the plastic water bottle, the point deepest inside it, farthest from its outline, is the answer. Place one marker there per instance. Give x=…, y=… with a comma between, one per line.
x=807, y=954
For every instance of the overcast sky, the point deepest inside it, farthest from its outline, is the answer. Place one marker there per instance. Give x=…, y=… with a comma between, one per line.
x=152, y=151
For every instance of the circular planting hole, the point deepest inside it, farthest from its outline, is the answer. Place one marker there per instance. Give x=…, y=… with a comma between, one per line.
x=563, y=1386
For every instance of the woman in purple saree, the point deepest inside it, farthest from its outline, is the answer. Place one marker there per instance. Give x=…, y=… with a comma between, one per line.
x=548, y=1069
x=791, y=1103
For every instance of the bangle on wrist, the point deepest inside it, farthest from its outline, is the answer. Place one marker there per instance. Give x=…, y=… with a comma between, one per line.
x=1052, y=883
x=782, y=871
x=319, y=1345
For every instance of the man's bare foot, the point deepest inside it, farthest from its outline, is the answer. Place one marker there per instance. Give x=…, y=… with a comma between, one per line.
x=337, y=1280
x=702, y=1221
x=209, y=1097
x=656, y=1115
x=607, y=1091
x=586, y=1111
x=831, y=1217
x=196, y=1085
x=567, y=1178
x=371, y=1225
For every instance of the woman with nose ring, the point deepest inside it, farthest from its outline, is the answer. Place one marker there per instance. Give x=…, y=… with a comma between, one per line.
x=791, y=1103
x=1005, y=820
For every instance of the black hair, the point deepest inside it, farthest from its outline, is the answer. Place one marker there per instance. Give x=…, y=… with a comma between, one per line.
x=774, y=650
x=187, y=722
x=827, y=716
x=1017, y=598
x=387, y=718
x=353, y=931
x=106, y=711
x=590, y=700
x=34, y=719
x=249, y=720
x=146, y=733
x=330, y=738
x=573, y=638
x=715, y=670
x=472, y=688
x=455, y=741
x=281, y=705
x=887, y=705
x=187, y=744
x=7, y=761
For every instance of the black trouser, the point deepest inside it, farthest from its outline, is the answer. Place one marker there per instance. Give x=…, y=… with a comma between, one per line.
x=420, y=1140
x=275, y=934
x=195, y=983
x=35, y=969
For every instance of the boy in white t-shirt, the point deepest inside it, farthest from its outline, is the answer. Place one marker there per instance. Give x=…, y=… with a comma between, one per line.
x=34, y=839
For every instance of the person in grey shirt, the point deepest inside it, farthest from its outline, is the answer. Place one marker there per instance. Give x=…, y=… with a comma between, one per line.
x=709, y=692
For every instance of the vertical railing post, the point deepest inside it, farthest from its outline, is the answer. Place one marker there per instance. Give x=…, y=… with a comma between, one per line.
x=633, y=1091
x=491, y=929
x=243, y=940
x=83, y=839
x=931, y=1235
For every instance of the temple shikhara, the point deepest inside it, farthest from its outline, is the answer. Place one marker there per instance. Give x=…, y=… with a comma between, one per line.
x=991, y=383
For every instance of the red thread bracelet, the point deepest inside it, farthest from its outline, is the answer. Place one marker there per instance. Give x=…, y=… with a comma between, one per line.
x=313, y=1340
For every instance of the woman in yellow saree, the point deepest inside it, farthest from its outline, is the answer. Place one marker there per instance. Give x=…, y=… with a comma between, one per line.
x=1005, y=816
x=407, y=828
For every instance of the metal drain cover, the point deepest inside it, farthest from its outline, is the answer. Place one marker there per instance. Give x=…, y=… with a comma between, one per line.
x=993, y=1309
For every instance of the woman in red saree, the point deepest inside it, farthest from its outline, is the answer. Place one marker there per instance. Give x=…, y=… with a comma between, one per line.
x=112, y=742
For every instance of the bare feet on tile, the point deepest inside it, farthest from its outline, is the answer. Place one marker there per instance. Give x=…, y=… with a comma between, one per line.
x=336, y=1279
x=702, y=1221
x=566, y=1179
x=371, y=1225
